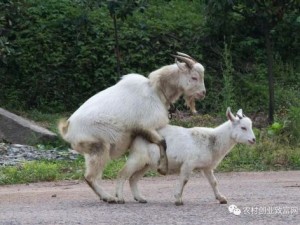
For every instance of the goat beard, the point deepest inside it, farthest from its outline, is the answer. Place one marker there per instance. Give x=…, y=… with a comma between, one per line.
x=190, y=103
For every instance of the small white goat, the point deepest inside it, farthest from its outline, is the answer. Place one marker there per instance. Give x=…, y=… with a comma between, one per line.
x=104, y=127
x=188, y=148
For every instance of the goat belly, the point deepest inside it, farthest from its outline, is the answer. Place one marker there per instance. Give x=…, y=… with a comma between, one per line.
x=173, y=166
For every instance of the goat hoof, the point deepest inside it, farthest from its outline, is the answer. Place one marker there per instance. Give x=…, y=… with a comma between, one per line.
x=162, y=171
x=121, y=201
x=110, y=200
x=178, y=203
x=142, y=201
x=223, y=201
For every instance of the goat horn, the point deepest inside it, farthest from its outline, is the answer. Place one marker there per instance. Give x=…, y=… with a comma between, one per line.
x=189, y=62
x=176, y=61
x=186, y=55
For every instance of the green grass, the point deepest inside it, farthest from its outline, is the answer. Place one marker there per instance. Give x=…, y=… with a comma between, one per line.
x=37, y=171
x=261, y=158
x=50, y=170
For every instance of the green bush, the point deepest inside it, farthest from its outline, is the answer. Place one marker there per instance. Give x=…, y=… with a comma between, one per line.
x=61, y=52
x=65, y=52
x=292, y=127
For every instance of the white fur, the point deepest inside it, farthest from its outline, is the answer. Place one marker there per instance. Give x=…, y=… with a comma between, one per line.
x=105, y=125
x=130, y=103
x=188, y=149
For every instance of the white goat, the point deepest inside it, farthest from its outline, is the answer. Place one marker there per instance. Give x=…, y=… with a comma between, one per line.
x=104, y=127
x=188, y=148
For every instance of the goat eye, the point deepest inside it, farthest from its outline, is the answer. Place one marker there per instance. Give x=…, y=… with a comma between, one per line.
x=244, y=128
x=194, y=78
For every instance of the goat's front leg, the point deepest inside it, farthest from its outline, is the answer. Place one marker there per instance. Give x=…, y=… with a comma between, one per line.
x=154, y=137
x=163, y=161
x=185, y=172
x=209, y=173
x=190, y=102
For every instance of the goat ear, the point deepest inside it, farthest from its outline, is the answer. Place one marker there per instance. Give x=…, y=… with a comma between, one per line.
x=229, y=115
x=240, y=114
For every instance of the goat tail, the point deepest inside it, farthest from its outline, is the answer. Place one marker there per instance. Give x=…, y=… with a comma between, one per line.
x=63, y=126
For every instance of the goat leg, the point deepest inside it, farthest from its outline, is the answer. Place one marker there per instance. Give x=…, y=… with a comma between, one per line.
x=209, y=173
x=163, y=161
x=154, y=137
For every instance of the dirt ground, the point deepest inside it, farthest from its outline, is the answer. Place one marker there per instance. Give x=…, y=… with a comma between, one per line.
x=262, y=197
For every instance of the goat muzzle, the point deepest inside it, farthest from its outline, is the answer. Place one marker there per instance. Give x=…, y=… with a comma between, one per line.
x=200, y=95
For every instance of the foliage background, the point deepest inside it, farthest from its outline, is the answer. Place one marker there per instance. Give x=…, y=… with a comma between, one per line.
x=57, y=53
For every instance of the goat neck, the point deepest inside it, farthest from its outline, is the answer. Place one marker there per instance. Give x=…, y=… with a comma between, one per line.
x=224, y=141
x=168, y=94
x=165, y=81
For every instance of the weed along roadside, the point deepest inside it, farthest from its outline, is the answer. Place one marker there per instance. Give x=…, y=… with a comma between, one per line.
x=26, y=164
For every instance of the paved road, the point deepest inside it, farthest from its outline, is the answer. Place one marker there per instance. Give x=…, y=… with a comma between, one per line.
x=263, y=198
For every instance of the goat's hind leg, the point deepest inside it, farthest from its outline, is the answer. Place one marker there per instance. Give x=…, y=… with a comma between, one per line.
x=132, y=166
x=123, y=175
x=133, y=184
x=95, y=162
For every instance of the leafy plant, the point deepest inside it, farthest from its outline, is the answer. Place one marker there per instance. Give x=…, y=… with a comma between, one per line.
x=228, y=70
x=293, y=125
x=275, y=128
x=62, y=52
